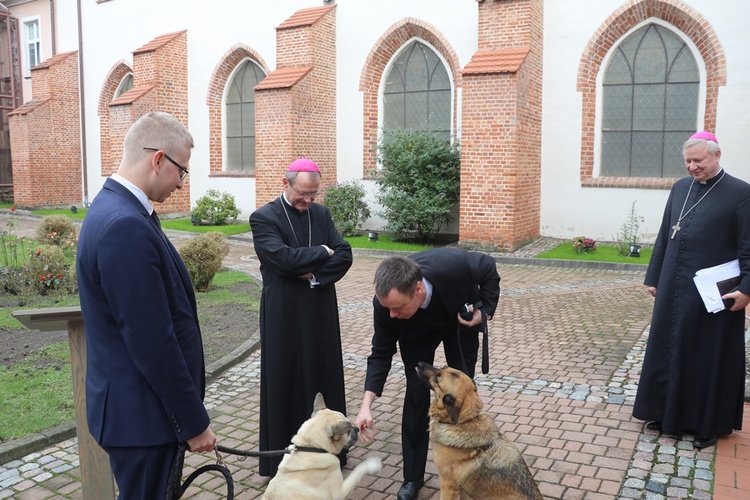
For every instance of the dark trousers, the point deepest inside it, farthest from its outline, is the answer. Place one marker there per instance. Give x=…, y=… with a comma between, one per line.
x=415, y=419
x=142, y=473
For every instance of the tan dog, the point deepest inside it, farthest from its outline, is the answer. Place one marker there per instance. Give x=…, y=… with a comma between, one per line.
x=473, y=458
x=316, y=473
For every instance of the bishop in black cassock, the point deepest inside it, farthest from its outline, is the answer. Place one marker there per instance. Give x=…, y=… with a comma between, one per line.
x=693, y=376
x=302, y=256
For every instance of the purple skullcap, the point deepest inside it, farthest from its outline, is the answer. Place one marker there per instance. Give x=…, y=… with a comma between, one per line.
x=303, y=165
x=706, y=136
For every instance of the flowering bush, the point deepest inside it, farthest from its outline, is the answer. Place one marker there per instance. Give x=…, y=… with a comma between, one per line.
x=48, y=267
x=32, y=268
x=58, y=230
x=581, y=244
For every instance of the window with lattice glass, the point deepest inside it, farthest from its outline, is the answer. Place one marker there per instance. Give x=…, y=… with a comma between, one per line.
x=240, y=118
x=417, y=92
x=649, y=105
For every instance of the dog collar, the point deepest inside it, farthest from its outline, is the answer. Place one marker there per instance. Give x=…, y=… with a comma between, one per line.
x=307, y=449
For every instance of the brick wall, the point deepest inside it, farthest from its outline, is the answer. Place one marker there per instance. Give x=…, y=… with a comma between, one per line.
x=45, y=137
x=160, y=83
x=501, y=126
x=110, y=155
x=611, y=32
x=295, y=106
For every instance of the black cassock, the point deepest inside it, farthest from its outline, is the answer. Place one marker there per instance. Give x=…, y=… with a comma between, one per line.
x=693, y=376
x=300, y=338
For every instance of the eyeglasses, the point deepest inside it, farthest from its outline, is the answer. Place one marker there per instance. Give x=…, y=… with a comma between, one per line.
x=184, y=172
x=304, y=194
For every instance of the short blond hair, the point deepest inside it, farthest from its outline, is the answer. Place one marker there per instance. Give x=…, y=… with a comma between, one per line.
x=158, y=130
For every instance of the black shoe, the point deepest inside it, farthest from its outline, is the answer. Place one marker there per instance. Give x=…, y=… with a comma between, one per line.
x=654, y=426
x=701, y=442
x=409, y=490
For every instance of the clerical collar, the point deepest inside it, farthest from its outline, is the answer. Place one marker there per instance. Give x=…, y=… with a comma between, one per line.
x=427, y=294
x=714, y=179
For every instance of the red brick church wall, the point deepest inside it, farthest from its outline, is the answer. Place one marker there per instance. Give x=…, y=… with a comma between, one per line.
x=160, y=83
x=295, y=105
x=501, y=126
x=46, y=139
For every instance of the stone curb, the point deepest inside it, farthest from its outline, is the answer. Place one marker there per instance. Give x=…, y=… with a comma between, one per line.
x=17, y=448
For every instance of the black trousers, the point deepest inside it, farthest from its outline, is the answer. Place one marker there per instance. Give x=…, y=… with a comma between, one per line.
x=415, y=439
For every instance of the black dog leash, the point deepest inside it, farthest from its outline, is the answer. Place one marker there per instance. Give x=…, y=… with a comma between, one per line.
x=175, y=490
x=485, y=346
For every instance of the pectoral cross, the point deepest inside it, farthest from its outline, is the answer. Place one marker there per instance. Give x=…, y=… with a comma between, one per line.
x=675, y=228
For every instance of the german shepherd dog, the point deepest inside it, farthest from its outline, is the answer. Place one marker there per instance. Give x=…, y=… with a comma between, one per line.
x=314, y=472
x=473, y=458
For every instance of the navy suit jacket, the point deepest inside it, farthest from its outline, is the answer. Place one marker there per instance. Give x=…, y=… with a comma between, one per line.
x=145, y=377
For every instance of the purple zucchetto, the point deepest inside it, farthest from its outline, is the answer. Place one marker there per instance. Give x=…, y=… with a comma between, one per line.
x=303, y=165
x=706, y=136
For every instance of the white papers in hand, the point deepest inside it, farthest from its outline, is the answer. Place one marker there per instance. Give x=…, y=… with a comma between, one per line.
x=706, y=279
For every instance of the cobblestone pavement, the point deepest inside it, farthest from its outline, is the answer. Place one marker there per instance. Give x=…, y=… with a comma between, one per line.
x=565, y=346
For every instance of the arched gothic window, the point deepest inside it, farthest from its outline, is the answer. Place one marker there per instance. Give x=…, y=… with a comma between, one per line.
x=240, y=118
x=417, y=93
x=649, y=105
x=125, y=84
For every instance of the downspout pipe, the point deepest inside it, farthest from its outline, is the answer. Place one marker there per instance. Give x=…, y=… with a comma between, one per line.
x=82, y=94
x=53, y=26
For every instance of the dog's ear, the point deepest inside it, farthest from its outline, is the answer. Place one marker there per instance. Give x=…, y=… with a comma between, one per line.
x=453, y=409
x=342, y=428
x=319, y=403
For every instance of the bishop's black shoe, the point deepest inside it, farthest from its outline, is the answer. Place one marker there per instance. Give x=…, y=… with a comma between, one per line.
x=654, y=426
x=409, y=490
x=701, y=442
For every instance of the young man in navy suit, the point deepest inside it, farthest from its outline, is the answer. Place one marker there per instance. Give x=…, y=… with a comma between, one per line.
x=145, y=378
x=417, y=305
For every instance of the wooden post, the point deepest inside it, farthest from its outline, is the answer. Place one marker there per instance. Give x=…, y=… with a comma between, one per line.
x=97, y=481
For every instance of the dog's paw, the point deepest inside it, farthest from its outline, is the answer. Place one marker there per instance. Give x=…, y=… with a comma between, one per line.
x=372, y=465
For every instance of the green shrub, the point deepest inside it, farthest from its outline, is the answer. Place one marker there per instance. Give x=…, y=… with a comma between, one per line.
x=57, y=230
x=348, y=208
x=419, y=183
x=203, y=256
x=215, y=208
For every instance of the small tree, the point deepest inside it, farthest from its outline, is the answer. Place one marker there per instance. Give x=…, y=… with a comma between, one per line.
x=348, y=208
x=216, y=208
x=419, y=182
x=203, y=256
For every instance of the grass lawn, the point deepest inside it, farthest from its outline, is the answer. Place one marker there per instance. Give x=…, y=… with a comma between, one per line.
x=38, y=392
x=603, y=253
x=384, y=243
x=187, y=225
x=44, y=212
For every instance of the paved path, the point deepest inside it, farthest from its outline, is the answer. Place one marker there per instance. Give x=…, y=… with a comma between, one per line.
x=565, y=347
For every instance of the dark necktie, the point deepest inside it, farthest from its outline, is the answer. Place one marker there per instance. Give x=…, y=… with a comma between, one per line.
x=156, y=218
